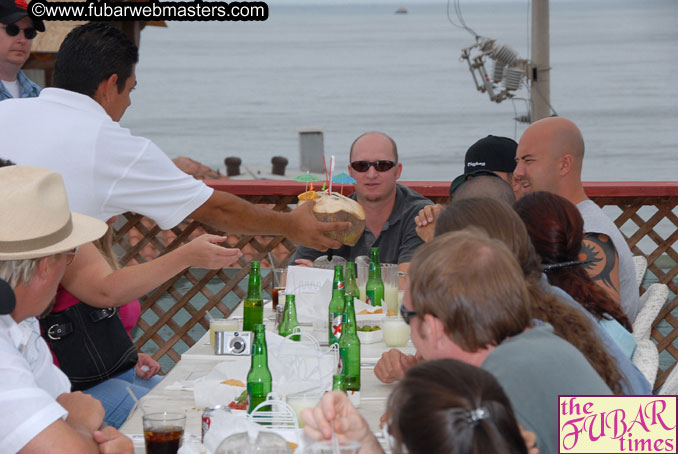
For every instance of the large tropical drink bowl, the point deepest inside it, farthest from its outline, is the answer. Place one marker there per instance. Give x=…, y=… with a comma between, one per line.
x=339, y=208
x=396, y=331
x=301, y=400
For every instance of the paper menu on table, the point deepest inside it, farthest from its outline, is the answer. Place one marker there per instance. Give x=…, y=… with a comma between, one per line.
x=312, y=288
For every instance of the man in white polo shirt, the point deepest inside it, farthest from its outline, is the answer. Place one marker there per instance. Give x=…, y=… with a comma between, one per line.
x=39, y=237
x=74, y=130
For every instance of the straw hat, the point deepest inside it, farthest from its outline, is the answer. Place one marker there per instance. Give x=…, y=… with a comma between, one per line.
x=36, y=219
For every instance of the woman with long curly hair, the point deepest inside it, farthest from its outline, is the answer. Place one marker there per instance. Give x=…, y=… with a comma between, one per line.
x=557, y=232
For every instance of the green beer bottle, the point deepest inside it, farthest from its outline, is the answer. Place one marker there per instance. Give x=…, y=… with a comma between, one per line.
x=336, y=308
x=338, y=382
x=374, y=257
x=259, y=380
x=351, y=287
x=254, y=303
x=375, y=286
x=289, y=318
x=349, y=348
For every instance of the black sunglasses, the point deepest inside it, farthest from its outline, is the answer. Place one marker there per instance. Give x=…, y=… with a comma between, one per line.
x=379, y=166
x=407, y=315
x=13, y=30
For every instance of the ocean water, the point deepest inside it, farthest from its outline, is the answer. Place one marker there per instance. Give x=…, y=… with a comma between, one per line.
x=208, y=90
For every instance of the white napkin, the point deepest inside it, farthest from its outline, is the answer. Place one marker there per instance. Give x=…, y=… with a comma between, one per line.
x=209, y=390
x=294, y=366
x=312, y=288
x=361, y=306
x=297, y=366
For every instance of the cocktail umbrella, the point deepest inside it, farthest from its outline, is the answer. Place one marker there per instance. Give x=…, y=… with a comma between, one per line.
x=306, y=178
x=342, y=178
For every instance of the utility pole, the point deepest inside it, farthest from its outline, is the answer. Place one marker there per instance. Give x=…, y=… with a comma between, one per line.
x=540, y=68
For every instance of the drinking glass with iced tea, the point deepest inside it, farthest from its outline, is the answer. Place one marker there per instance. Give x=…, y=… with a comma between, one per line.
x=163, y=432
x=279, y=275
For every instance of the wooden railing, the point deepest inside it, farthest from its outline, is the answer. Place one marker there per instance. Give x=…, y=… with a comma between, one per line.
x=174, y=315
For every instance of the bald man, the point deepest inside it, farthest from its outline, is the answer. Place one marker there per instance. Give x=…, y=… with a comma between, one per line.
x=549, y=158
x=389, y=207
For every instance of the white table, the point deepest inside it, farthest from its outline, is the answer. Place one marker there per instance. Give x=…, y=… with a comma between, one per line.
x=199, y=360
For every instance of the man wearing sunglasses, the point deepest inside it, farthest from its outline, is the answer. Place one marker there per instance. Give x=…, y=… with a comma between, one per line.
x=389, y=207
x=16, y=36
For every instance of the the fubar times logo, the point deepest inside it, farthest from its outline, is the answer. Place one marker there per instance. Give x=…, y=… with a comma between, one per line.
x=617, y=424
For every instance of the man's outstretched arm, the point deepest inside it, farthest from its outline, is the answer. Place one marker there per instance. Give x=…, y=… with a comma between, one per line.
x=232, y=214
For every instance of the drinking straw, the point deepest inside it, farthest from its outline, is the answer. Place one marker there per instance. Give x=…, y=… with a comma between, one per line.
x=136, y=401
x=331, y=172
x=335, y=441
x=325, y=165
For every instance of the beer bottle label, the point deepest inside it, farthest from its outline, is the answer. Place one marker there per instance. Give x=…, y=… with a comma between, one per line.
x=372, y=299
x=340, y=285
x=340, y=366
x=335, y=327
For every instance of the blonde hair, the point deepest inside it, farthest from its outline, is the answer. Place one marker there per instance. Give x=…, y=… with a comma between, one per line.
x=17, y=272
x=105, y=247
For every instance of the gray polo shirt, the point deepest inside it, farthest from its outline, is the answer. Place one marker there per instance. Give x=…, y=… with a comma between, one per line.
x=398, y=238
x=533, y=368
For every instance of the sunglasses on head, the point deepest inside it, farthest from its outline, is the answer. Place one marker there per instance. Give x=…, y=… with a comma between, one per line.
x=379, y=166
x=13, y=30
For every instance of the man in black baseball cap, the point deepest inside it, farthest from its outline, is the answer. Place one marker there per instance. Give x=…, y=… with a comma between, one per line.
x=492, y=156
x=16, y=37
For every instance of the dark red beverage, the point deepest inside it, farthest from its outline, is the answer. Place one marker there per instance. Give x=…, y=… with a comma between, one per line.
x=164, y=440
x=274, y=296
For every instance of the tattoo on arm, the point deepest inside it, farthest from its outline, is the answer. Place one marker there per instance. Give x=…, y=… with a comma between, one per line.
x=601, y=254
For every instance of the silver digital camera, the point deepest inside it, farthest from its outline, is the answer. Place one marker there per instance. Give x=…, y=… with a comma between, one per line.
x=232, y=343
